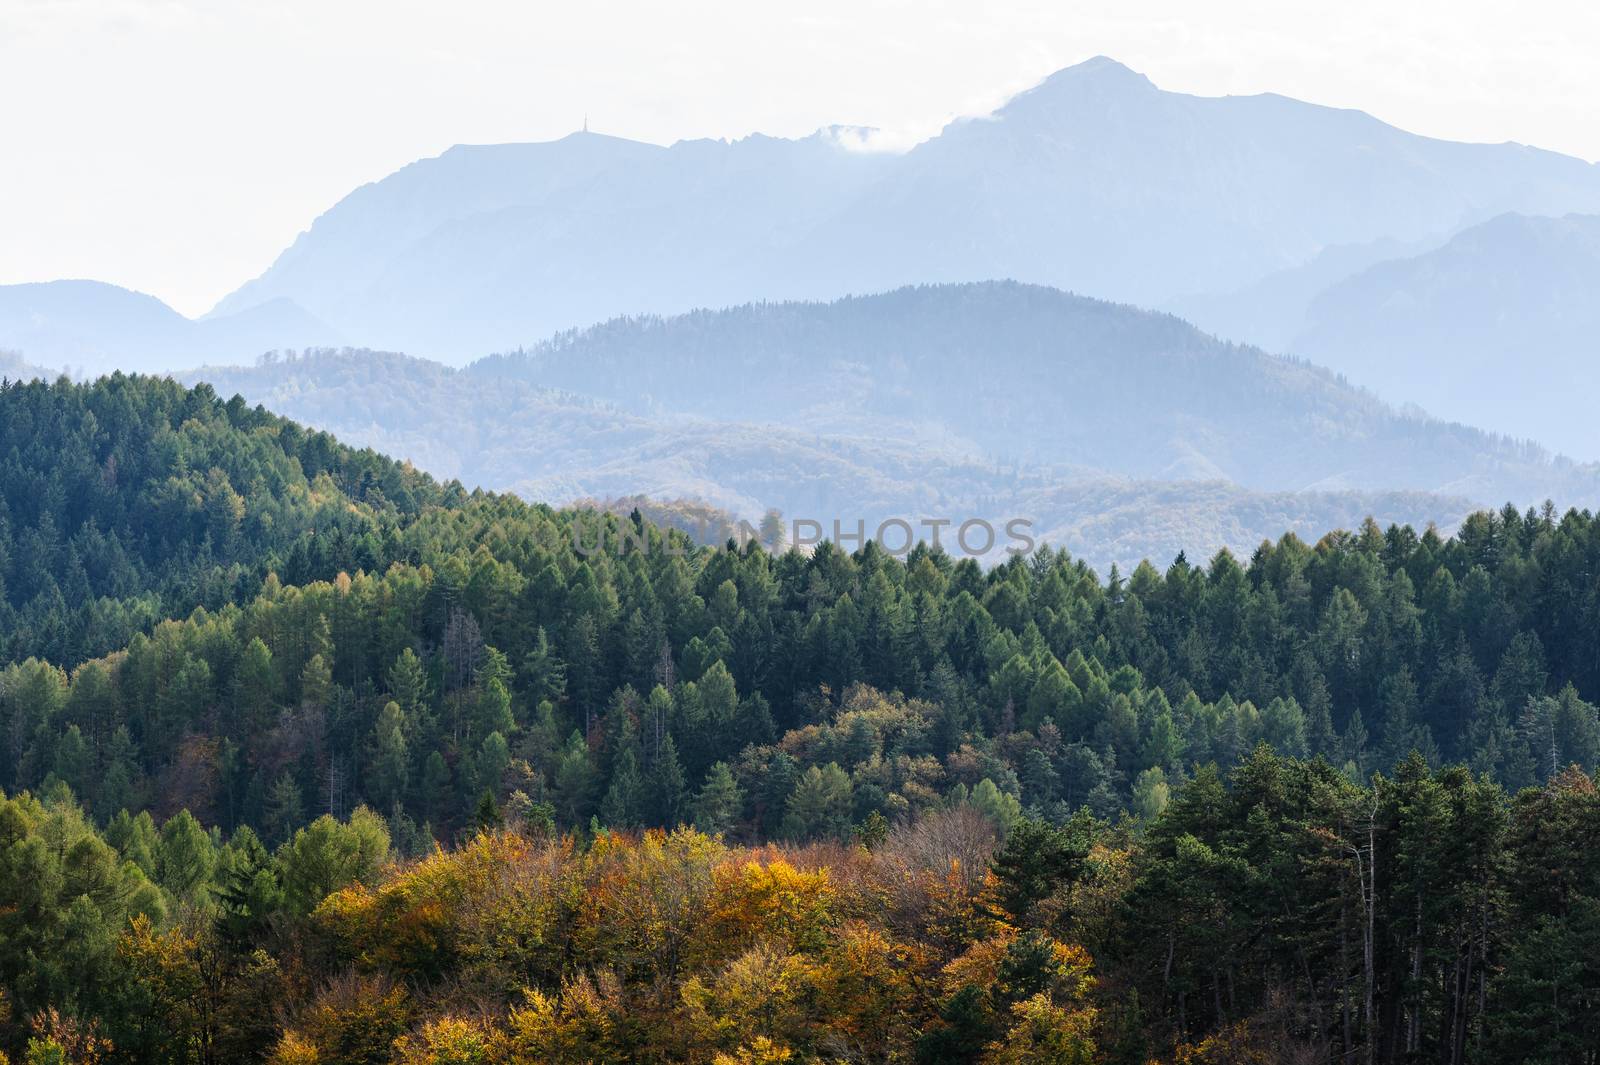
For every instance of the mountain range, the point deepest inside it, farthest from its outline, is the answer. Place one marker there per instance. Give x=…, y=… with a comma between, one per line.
x=94, y=328
x=1451, y=278
x=1094, y=181
x=1499, y=325
x=1116, y=431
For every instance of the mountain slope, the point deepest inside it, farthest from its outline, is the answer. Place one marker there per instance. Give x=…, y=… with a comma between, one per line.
x=1120, y=433
x=132, y=499
x=1271, y=312
x=1499, y=326
x=557, y=447
x=1096, y=181
x=1042, y=377
x=1099, y=182
x=487, y=247
x=97, y=328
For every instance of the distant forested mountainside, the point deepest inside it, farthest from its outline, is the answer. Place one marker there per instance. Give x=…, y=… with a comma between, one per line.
x=1499, y=326
x=508, y=434
x=1122, y=434
x=94, y=328
x=134, y=499
x=1095, y=181
x=1494, y=326
x=1042, y=376
x=207, y=816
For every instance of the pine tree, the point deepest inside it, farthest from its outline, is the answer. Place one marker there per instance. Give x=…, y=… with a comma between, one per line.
x=1037, y=859
x=575, y=782
x=391, y=758
x=489, y=766
x=666, y=786
x=185, y=857
x=248, y=892
x=720, y=803
x=407, y=681
x=1353, y=746
x=119, y=783
x=285, y=809
x=486, y=816
x=73, y=762
x=1320, y=736
x=493, y=710
x=253, y=685
x=1402, y=732
x=821, y=805
x=435, y=787
x=622, y=806
x=316, y=684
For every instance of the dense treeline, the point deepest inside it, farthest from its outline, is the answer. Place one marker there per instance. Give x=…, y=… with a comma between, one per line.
x=1289, y=915
x=522, y=661
x=363, y=640
x=133, y=499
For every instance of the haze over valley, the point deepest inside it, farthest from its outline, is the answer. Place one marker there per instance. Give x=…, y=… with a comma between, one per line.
x=1413, y=267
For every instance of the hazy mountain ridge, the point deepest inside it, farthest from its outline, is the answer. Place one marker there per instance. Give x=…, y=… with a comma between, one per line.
x=664, y=408
x=1271, y=312
x=1047, y=378
x=1095, y=181
x=482, y=233
x=948, y=396
x=1500, y=325
x=96, y=328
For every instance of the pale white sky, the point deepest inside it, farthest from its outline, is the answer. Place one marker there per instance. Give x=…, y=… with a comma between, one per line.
x=176, y=146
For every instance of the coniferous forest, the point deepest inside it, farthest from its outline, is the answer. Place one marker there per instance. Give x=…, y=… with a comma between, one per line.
x=308, y=758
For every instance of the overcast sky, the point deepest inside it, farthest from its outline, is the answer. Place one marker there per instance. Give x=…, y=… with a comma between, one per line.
x=176, y=146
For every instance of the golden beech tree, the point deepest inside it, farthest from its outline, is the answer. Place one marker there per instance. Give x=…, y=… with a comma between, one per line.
x=754, y=899
x=645, y=900
x=576, y=1026
x=445, y=1041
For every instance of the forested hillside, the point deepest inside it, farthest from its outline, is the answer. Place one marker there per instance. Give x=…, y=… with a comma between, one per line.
x=337, y=600
x=510, y=434
x=134, y=499
x=419, y=665
x=1286, y=914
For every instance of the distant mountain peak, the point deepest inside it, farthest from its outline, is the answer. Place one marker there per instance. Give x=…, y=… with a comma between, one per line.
x=1095, y=86
x=1101, y=72
x=1094, y=180
x=1100, y=65
x=577, y=137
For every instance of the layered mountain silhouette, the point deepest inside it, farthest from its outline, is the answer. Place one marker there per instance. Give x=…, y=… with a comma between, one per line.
x=1118, y=432
x=1426, y=269
x=95, y=328
x=1035, y=375
x=1095, y=181
x=1499, y=326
